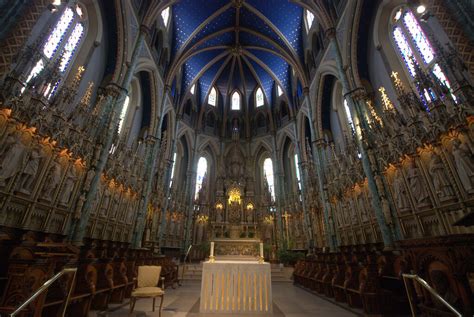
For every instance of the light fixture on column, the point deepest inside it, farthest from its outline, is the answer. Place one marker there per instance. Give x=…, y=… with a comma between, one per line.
x=421, y=9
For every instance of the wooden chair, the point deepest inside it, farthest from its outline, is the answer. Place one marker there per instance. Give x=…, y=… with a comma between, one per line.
x=147, y=286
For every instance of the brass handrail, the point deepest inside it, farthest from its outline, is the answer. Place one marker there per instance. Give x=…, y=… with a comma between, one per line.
x=45, y=286
x=184, y=262
x=426, y=286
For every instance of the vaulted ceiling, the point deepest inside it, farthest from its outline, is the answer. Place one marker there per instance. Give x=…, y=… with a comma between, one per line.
x=237, y=45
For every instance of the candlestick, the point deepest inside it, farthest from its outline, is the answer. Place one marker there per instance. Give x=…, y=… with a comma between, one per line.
x=261, y=249
x=212, y=248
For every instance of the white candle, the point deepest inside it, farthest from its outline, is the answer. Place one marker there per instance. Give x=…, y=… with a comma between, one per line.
x=212, y=248
x=261, y=249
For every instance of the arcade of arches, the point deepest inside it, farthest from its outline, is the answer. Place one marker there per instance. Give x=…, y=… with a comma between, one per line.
x=339, y=133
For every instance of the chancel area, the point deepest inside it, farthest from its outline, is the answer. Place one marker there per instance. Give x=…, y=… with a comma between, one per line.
x=236, y=157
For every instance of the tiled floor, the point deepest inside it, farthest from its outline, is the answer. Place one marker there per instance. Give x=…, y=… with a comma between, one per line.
x=288, y=301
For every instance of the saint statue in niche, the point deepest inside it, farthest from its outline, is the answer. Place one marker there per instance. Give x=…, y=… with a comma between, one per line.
x=464, y=164
x=31, y=170
x=418, y=189
x=53, y=179
x=440, y=178
x=12, y=157
x=400, y=193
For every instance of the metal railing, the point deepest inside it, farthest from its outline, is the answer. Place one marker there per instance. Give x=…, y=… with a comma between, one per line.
x=426, y=286
x=186, y=256
x=45, y=286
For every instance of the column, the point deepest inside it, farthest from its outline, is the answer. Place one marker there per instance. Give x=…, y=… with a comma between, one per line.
x=359, y=122
x=113, y=105
x=307, y=221
x=317, y=148
x=190, y=199
x=278, y=193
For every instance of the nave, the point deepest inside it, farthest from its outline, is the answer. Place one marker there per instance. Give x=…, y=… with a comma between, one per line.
x=288, y=301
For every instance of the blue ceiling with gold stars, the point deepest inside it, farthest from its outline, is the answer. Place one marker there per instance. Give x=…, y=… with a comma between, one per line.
x=236, y=45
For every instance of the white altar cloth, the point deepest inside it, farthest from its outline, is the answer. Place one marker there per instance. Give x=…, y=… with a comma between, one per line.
x=235, y=287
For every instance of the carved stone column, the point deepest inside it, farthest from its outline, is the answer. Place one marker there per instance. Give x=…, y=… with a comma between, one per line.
x=359, y=121
x=316, y=149
x=191, y=185
x=113, y=106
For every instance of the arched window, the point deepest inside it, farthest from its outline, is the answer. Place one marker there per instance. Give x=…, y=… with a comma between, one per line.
x=212, y=99
x=193, y=88
x=415, y=48
x=348, y=116
x=165, y=15
x=235, y=101
x=259, y=101
x=201, y=172
x=123, y=114
x=60, y=47
x=268, y=173
x=309, y=18
x=297, y=169
x=279, y=91
x=172, y=169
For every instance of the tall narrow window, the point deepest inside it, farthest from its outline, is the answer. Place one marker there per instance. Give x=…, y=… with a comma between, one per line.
x=193, y=88
x=172, y=169
x=235, y=101
x=212, y=99
x=297, y=169
x=268, y=173
x=165, y=15
x=123, y=114
x=348, y=115
x=279, y=91
x=259, y=100
x=201, y=172
x=309, y=17
x=60, y=47
x=415, y=48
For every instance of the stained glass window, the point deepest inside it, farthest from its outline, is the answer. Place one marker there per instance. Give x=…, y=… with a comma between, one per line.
x=419, y=37
x=309, y=19
x=201, y=172
x=348, y=115
x=297, y=169
x=55, y=37
x=212, y=99
x=259, y=101
x=172, y=169
x=165, y=15
x=235, y=101
x=279, y=91
x=268, y=173
x=123, y=114
x=60, y=47
x=405, y=50
x=70, y=47
x=193, y=87
x=410, y=38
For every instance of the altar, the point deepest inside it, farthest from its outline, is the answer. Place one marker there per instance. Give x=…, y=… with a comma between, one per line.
x=236, y=287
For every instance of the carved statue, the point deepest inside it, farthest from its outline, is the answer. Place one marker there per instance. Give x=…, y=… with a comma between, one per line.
x=420, y=194
x=31, y=170
x=79, y=205
x=68, y=185
x=386, y=211
x=12, y=157
x=219, y=216
x=440, y=178
x=464, y=164
x=53, y=179
x=105, y=201
x=400, y=192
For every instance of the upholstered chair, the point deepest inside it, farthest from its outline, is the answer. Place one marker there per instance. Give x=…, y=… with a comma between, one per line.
x=147, y=286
